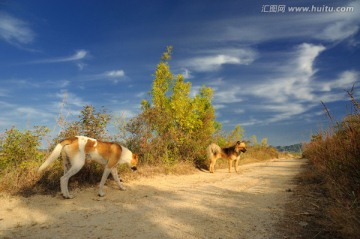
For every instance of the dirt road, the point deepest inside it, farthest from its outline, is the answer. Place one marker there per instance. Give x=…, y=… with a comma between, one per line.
x=202, y=205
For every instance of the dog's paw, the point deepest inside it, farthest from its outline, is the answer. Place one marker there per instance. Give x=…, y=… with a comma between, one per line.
x=101, y=194
x=122, y=188
x=68, y=196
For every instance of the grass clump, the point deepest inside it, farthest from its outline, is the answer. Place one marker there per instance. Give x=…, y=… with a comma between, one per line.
x=336, y=154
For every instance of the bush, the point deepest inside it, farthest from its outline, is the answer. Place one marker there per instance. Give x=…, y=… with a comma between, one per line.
x=20, y=148
x=20, y=158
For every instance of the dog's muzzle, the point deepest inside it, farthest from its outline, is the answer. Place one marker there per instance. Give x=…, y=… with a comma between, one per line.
x=134, y=168
x=243, y=150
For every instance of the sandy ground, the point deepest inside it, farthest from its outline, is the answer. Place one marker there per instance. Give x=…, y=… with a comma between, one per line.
x=202, y=205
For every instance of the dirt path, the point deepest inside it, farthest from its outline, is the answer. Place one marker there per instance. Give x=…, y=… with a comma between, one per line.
x=202, y=205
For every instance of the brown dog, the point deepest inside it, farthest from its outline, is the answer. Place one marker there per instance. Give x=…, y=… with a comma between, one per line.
x=232, y=153
x=74, y=151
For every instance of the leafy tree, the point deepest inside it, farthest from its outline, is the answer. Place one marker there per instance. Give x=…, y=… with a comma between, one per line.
x=173, y=125
x=91, y=123
x=236, y=135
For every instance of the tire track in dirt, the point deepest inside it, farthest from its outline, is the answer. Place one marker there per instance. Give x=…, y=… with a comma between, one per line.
x=202, y=205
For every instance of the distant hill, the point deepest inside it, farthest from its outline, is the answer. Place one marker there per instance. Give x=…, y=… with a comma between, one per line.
x=290, y=148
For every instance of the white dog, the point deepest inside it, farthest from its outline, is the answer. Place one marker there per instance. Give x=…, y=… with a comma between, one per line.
x=74, y=151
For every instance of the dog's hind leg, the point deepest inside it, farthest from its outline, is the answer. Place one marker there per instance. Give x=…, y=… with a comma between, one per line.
x=66, y=161
x=76, y=164
x=212, y=165
x=104, y=177
x=114, y=173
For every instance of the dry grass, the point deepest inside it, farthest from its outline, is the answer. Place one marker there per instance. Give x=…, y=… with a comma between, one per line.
x=26, y=181
x=335, y=153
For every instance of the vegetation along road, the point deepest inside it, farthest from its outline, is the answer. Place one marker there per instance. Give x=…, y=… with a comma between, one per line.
x=248, y=204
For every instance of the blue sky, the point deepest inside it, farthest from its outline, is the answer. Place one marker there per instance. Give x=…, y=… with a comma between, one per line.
x=269, y=67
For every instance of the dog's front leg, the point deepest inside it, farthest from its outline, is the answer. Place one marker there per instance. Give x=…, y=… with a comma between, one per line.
x=103, y=180
x=114, y=173
x=230, y=164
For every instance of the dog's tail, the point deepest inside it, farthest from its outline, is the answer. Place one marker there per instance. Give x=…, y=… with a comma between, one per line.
x=212, y=150
x=53, y=156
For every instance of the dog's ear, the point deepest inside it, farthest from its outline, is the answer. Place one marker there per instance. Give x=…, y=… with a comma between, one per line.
x=135, y=159
x=238, y=142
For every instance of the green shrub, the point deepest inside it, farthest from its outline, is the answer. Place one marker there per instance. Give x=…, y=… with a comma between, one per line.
x=20, y=148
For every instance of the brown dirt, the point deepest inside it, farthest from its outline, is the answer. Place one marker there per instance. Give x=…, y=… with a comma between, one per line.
x=259, y=202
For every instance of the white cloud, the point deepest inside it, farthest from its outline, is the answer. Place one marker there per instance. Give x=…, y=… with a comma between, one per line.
x=306, y=56
x=187, y=74
x=77, y=56
x=81, y=66
x=214, y=60
x=297, y=89
x=345, y=80
x=15, y=31
x=294, y=83
x=327, y=26
x=115, y=74
x=227, y=95
x=31, y=112
x=71, y=99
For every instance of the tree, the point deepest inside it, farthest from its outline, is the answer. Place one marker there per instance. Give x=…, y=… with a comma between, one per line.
x=173, y=124
x=91, y=123
x=236, y=135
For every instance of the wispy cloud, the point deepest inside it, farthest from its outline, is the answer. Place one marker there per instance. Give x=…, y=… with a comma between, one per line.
x=329, y=27
x=71, y=99
x=77, y=56
x=31, y=112
x=115, y=74
x=15, y=31
x=294, y=82
x=214, y=60
x=298, y=89
x=229, y=95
